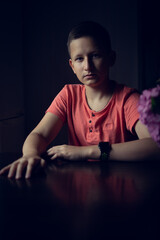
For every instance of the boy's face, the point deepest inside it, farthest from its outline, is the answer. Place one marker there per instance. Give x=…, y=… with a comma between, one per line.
x=89, y=62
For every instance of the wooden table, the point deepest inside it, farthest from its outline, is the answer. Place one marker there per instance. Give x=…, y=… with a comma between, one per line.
x=82, y=201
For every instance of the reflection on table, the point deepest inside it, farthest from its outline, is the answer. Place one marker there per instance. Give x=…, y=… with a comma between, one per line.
x=82, y=200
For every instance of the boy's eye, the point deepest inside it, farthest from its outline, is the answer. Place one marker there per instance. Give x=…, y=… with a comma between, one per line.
x=96, y=55
x=79, y=59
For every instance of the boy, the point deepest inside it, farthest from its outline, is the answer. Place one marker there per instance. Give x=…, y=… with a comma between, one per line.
x=102, y=117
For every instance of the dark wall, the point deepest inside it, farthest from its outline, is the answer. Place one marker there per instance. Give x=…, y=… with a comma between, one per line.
x=149, y=43
x=34, y=58
x=11, y=76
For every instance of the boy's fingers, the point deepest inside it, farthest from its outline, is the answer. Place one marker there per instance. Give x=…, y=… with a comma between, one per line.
x=17, y=168
x=20, y=169
x=29, y=170
x=43, y=163
x=5, y=169
x=12, y=169
x=31, y=165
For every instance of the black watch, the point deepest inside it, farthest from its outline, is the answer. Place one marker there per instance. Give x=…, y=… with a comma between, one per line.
x=105, y=149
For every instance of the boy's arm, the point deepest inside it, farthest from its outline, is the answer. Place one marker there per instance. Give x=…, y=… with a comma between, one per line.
x=34, y=145
x=143, y=149
x=38, y=140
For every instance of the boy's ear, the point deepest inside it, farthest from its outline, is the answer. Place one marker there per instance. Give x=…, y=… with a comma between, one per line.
x=112, y=58
x=71, y=65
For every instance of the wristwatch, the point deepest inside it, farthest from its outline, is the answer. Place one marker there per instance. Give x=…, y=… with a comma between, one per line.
x=105, y=149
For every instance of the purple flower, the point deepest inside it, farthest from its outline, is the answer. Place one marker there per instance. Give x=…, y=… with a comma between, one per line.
x=149, y=109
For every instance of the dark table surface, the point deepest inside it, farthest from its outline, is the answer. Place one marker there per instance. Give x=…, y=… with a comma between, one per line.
x=82, y=200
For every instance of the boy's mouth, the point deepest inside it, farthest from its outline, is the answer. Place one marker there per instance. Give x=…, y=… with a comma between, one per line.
x=90, y=75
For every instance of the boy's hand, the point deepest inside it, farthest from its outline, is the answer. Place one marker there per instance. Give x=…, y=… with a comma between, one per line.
x=69, y=152
x=24, y=164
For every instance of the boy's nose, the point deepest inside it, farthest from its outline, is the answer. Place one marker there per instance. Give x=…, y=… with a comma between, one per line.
x=87, y=64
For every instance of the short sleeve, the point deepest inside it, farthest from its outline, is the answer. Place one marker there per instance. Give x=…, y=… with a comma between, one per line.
x=59, y=105
x=131, y=110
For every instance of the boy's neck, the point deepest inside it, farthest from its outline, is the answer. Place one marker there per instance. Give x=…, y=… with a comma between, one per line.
x=99, y=92
x=98, y=98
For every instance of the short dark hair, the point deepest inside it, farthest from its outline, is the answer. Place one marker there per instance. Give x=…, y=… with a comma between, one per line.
x=93, y=30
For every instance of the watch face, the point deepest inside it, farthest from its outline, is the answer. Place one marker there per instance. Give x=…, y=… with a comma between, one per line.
x=104, y=156
x=105, y=148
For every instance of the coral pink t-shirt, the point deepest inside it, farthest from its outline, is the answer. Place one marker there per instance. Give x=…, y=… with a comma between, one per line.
x=115, y=123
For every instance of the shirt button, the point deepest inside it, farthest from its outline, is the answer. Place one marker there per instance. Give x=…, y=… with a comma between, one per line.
x=90, y=121
x=90, y=130
x=93, y=115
